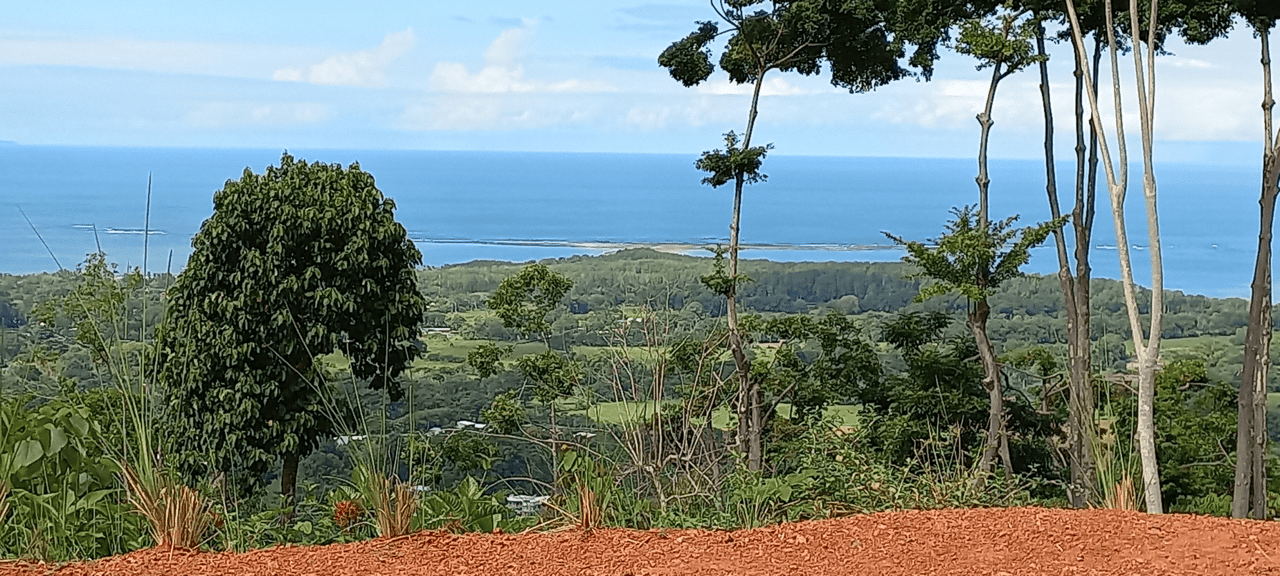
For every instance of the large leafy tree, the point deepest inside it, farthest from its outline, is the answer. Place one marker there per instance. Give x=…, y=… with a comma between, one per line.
x=302, y=260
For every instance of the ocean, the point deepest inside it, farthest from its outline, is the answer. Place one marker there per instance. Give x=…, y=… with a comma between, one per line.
x=517, y=206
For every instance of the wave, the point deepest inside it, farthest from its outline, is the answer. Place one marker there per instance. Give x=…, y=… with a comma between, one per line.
x=1133, y=246
x=135, y=231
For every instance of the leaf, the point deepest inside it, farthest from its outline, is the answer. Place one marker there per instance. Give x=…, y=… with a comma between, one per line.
x=304, y=527
x=57, y=439
x=26, y=452
x=79, y=424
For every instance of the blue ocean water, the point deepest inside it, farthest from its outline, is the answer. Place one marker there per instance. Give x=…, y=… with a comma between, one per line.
x=461, y=206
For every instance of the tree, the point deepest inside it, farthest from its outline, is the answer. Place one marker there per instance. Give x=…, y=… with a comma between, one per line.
x=302, y=260
x=816, y=362
x=861, y=41
x=973, y=258
x=523, y=301
x=1004, y=46
x=780, y=38
x=1194, y=425
x=1249, y=495
x=1147, y=348
x=1199, y=22
x=1074, y=286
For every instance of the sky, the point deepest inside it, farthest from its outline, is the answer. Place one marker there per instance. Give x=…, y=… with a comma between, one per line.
x=530, y=75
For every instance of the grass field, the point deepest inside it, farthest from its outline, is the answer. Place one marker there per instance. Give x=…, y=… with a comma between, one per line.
x=621, y=412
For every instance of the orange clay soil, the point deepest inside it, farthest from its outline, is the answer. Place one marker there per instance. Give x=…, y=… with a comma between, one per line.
x=996, y=542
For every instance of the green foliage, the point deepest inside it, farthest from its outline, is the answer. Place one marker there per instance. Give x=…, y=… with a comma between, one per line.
x=718, y=280
x=63, y=497
x=758, y=500
x=523, y=300
x=1005, y=40
x=1262, y=15
x=506, y=414
x=818, y=362
x=302, y=260
x=467, y=508
x=486, y=358
x=469, y=452
x=868, y=40
x=688, y=59
x=240, y=529
x=551, y=374
x=733, y=162
x=1195, y=422
x=862, y=42
x=95, y=304
x=845, y=474
x=941, y=389
x=973, y=259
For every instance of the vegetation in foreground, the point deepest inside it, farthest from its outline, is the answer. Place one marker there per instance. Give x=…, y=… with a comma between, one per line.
x=186, y=412
x=907, y=437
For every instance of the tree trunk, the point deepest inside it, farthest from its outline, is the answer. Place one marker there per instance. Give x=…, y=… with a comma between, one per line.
x=985, y=122
x=997, y=439
x=748, y=409
x=1151, y=357
x=289, y=484
x=1251, y=426
x=1147, y=347
x=1080, y=388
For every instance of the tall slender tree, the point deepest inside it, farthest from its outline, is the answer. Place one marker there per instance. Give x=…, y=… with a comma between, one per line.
x=863, y=43
x=1074, y=285
x=1000, y=42
x=1249, y=493
x=1199, y=21
x=973, y=258
x=782, y=37
x=1147, y=347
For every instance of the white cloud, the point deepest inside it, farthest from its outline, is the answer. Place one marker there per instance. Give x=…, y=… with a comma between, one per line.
x=502, y=72
x=648, y=116
x=203, y=58
x=1208, y=112
x=1184, y=62
x=506, y=48
x=941, y=103
x=361, y=68
x=772, y=87
x=467, y=112
x=221, y=114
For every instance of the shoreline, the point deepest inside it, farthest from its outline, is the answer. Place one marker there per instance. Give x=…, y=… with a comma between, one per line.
x=686, y=248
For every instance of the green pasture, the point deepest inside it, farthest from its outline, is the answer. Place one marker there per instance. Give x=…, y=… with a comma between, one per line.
x=722, y=419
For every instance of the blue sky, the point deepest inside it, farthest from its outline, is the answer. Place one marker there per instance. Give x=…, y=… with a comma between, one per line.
x=539, y=75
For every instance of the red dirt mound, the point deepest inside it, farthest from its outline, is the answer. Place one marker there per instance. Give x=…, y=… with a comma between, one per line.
x=993, y=542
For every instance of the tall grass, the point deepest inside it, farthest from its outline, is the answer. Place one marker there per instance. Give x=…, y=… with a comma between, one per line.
x=4, y=499
x=1115, y=463
x=178, y=516
x=392, y=501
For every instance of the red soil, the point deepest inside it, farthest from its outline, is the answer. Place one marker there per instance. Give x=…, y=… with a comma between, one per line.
x=993, y=542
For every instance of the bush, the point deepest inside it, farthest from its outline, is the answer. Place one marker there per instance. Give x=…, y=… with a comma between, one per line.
x=64, y=502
